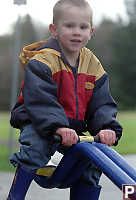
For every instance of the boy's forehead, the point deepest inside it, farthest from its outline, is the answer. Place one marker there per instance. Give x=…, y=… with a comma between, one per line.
x=66, y=6
x=76, y=13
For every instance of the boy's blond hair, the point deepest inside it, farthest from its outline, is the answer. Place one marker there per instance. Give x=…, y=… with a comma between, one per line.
x=60, y=5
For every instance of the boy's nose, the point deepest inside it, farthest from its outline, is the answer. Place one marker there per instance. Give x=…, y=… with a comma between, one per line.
x=76, y=31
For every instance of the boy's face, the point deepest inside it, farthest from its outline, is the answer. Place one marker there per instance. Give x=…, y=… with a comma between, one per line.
x=73, y=29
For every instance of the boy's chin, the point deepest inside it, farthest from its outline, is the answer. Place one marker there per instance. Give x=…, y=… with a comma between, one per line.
x=74, y=50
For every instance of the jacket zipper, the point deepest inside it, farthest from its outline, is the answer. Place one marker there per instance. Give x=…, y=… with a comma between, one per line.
x=75, y=73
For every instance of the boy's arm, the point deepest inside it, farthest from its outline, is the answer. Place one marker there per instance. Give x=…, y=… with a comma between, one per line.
x=102, y=110
x=40, y=99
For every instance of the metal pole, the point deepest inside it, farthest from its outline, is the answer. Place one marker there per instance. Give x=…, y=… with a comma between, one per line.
x=15, y=73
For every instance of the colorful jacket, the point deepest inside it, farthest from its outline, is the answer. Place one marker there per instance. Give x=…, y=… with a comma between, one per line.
x=56, y=94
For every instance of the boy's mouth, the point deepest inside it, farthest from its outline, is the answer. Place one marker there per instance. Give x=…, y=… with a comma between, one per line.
x=75, y=41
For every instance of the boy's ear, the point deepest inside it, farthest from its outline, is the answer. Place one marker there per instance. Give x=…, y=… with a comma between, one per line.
x=53, y=30
x=91, y=32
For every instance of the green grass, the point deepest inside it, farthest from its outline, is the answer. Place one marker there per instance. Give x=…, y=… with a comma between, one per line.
x=4, y=136
x=4, y=161
x=4, y=125
x=127, y=144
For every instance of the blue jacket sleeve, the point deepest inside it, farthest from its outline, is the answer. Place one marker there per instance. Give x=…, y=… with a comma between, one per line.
x=40, y=99
x=102, y=110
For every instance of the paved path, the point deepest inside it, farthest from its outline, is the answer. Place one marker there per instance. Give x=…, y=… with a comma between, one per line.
x=109, y=192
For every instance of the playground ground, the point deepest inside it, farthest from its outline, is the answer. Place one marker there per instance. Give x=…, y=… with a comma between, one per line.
x=109, y=190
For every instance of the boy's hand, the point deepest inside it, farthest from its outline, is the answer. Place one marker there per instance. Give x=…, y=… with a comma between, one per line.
x=69, y=136
x=107, y=137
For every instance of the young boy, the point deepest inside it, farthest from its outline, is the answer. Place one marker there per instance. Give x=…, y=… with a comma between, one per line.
x=65, y=92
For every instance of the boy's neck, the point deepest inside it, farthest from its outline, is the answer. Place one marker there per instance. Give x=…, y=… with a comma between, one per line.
x=73, y=60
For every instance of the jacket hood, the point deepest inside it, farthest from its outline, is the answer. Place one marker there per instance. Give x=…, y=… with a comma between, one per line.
x=35, y=48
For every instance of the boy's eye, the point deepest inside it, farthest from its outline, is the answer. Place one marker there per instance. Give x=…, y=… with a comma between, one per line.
x=69, y=25
x=84, y=27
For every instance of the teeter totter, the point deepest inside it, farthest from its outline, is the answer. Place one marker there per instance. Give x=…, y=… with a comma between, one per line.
x=72, y=166
x=87, y=149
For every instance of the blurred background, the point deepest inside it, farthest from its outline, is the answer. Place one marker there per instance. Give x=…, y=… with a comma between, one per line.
x=113, y=42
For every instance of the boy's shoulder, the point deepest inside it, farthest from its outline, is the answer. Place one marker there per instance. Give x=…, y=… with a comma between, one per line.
x=89, y=55
x=93, y=64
